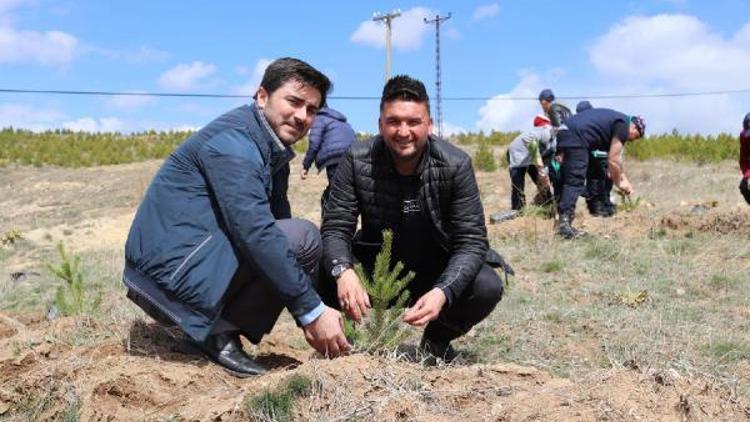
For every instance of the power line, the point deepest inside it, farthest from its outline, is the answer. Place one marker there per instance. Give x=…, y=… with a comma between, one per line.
x=368, y=98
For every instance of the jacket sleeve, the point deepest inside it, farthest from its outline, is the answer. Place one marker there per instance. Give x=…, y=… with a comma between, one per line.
x=469, y=234
x=340, y=216
x=234, y=174
x=314, y=141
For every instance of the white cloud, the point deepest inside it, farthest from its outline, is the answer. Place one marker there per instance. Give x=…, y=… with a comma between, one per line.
x=502, y=114
x=486, y=11
x=450, y=129
x=46, y=48
x=28, y=117
x=129, y=102
x=249, y=87
x=142, y=54
x=90, y=124
x=674, y=53
x=409, y=30
x=185, y=77
x=677, y=50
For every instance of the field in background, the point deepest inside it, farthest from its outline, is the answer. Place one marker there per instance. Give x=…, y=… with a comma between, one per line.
x=649, y=318
x=78, y=149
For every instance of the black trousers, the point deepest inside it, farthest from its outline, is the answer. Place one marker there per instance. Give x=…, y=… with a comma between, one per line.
x=598, y=183
x=518, y=184
x=253, y=306
x=471, y=307
x=574, y=167
x=745, y=190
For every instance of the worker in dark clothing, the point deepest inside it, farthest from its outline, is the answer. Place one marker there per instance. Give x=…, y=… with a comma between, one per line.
x=583, y=106
x=596, y=129
x=330, y=136
x=598, y=183
x=557, y=113
x=745, y=157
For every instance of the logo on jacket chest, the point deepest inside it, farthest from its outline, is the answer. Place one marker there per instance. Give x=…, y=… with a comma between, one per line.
x=410, y=206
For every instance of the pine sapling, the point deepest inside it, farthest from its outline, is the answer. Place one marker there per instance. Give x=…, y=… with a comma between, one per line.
x=71, y=298
x=383, y=330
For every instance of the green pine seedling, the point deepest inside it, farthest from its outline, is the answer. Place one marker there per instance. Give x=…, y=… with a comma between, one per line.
x=383, y=329
x=71, y=298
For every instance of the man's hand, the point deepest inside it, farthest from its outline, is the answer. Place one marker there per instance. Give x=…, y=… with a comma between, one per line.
x=353, y=298
x=303, y=175
x=426, y=309
x=326, y=334
x=625, y=186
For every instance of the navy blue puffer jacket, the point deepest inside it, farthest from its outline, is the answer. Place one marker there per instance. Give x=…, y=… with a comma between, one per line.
x=330, y=136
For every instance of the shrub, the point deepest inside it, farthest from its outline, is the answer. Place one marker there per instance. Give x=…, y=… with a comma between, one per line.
x=483, y=159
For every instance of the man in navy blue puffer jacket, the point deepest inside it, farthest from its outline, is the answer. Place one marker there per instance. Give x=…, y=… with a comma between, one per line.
x=213, y=249
x=330, y=136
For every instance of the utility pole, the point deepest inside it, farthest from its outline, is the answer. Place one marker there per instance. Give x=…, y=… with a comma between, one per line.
x=387, y=18
x=438, y=84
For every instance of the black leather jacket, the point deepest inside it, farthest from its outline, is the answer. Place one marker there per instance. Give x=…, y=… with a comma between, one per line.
x=366, y=184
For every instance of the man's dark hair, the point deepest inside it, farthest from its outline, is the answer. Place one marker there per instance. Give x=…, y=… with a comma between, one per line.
x=287, y=69
x=402, y=87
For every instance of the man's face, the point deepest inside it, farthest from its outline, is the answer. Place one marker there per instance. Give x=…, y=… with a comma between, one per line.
x=633, y=133
x=290, y=109
x=405, y=127
x=545, y=105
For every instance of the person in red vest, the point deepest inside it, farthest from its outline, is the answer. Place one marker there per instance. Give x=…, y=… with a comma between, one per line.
x=745, y=157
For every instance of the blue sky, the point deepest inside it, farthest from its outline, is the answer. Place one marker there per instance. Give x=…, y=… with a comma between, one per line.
x=496, y=50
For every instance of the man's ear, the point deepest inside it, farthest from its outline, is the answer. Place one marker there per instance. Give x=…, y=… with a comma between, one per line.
x=261, y=97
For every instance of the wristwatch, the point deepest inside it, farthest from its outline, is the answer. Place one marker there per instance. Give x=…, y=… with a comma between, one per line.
x=338, y=269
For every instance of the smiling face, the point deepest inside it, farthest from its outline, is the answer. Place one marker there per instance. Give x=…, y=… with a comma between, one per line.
x=405, y=127
x=290, y=109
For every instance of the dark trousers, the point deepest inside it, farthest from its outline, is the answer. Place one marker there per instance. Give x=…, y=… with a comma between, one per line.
x=598, y=184
x=518, y=183
x=745, y=190
x=253, y=306
x=476, y=302
x=574, y=167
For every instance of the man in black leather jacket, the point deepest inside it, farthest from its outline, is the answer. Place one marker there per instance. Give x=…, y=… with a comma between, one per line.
x=424, y=190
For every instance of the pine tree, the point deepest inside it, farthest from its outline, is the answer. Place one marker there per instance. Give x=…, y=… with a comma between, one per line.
x=383, y=330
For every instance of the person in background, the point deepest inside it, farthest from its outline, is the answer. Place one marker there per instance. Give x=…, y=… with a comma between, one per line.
x=525, y=154
x=583, y=106
x=598, y=183
x=595, y=129
x=330, y=136
x=745, y=157
x=557, y=112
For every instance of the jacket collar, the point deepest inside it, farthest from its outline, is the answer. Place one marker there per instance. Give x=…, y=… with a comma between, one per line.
x=279, y=153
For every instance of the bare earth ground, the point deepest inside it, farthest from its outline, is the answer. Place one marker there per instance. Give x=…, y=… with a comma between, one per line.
x=648, y=320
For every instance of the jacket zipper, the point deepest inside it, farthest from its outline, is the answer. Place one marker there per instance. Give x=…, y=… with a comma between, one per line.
x=187, y=258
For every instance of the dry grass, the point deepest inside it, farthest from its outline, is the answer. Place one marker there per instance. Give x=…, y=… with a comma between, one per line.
x=640, y=294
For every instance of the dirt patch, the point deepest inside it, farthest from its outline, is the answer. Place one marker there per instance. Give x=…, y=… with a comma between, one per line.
x=735, y=221
x=147, y=376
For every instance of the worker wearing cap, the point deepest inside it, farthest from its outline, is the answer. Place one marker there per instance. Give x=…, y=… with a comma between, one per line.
x=557, y=113
x=525, y=156
x=595, y=129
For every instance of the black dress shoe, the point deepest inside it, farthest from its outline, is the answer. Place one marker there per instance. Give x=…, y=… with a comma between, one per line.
x=225, y=349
